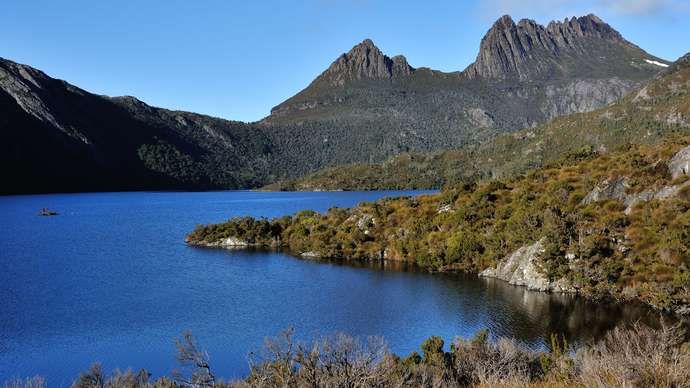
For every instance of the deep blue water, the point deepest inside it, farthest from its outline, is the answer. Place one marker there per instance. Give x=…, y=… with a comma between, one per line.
x=111, y=280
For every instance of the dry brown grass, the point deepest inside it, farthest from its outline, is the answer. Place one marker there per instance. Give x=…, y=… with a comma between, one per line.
x=636, y=356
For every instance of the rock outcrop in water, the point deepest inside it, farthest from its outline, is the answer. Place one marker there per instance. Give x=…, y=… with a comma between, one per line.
x=522, y=268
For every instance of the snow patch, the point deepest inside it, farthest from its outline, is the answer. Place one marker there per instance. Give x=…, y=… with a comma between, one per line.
x=651, y=62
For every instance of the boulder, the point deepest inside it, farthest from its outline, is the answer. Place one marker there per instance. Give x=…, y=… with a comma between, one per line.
x=444, y=208
x=608, y=189
x=364, y=222
x=679, y=165
x=648, y=195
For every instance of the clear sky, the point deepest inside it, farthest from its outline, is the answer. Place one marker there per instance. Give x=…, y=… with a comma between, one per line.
x=237, y=59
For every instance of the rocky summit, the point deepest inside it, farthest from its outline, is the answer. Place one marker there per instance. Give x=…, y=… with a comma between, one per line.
x=365, y=60
x=527, y=49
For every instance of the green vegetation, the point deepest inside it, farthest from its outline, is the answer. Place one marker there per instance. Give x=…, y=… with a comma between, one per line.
x=637, y=356
x=595, y=247
x=168, y=160
x=646, y=116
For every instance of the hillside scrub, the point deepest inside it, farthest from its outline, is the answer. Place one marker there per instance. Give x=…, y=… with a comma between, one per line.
x=600, y=246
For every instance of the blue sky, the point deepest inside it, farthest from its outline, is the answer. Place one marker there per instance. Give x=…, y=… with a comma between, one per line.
x=237, y=59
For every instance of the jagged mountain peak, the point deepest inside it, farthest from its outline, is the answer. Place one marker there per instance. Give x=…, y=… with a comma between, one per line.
x=526, y=49
x=368, y=43
x=505, y=21
x=365, y=61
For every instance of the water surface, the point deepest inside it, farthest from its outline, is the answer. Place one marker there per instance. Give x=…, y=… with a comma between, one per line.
x=111, y=280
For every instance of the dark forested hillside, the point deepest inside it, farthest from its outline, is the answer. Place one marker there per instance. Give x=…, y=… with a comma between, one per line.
x=366, y=107
x=57, y=137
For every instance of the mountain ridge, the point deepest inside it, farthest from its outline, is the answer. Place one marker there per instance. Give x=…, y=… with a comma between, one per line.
x=659, y=108
x=507, y=46
x=365, y=107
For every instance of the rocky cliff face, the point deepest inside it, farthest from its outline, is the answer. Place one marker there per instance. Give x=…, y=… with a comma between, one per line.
x=679, y=165
x=526, y=49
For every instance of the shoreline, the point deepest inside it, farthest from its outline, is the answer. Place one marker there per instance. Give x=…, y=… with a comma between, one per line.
x=682, y=314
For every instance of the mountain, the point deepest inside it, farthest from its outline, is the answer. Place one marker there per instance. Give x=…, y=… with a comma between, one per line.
x=528, y=51
x=364, y=61
x=647, y=115
x=57, y=137
x=366, y=107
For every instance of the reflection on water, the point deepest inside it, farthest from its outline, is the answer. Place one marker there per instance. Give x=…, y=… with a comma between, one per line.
x=531, y=316
x=531, y=313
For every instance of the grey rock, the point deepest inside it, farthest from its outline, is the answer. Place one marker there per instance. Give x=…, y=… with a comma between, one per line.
x=616, y=189
x=227, y=243
x=20, y=82
x=234, y=242
x=680, y=163
x=647, y=195
x=608, y=189
x=364, y=222
x=583, y=95
x=480, y=118
x=522, y=268
x=365, y=61
x=521, y=50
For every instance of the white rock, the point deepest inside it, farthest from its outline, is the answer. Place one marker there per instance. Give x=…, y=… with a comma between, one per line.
x=233, y=242
x=444, y=208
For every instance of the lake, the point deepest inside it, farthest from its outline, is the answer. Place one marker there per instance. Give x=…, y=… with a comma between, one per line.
x=110, y=279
